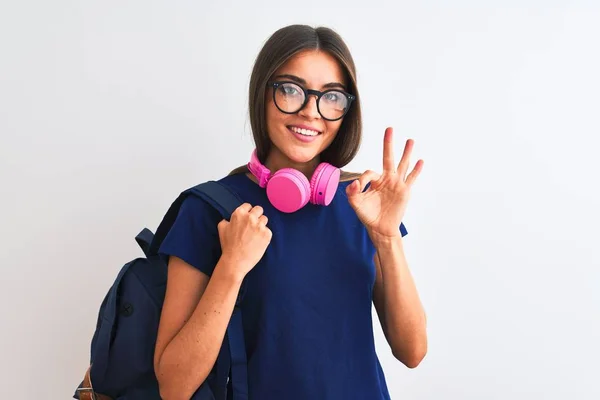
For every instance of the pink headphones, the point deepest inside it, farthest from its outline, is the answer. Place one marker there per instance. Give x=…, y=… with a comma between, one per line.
x=289, y=190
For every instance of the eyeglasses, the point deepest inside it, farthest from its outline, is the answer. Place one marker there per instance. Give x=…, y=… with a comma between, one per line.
x=289, y=97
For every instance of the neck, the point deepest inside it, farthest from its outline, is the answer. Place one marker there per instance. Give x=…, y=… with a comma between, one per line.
x=276, y=161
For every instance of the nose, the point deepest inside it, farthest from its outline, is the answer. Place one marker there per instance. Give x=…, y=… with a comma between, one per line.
x=310, y=110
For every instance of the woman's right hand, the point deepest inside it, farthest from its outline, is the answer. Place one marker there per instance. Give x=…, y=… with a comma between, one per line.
x=244, y=238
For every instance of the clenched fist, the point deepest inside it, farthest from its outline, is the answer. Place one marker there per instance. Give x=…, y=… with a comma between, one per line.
x=244, y=239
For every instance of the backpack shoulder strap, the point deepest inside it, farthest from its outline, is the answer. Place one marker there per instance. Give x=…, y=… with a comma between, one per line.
x=216, y=194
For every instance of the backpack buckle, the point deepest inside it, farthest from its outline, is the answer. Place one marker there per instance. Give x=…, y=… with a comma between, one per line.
x=86, y=392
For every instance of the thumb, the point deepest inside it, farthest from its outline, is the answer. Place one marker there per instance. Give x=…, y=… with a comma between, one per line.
x=353, y=188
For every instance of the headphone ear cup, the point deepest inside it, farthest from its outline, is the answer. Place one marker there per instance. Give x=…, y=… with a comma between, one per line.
x=288, y=190
x=324, y=184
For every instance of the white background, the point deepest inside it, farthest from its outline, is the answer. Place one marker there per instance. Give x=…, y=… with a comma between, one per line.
x=109, y=109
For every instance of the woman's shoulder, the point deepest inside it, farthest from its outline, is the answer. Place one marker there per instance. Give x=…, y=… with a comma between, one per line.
x=237, y=179
x=202, y=212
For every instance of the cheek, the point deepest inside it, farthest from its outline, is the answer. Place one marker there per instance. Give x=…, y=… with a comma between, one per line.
x=270, y=113
x=333, y=126
x=274, y=119
x=273, y=115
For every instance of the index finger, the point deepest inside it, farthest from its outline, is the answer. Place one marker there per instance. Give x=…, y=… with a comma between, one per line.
x=388, y=151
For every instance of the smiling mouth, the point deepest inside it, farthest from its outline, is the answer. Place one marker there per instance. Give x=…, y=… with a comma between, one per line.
x=304, y=132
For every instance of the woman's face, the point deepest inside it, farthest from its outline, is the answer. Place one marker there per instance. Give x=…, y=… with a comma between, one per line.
x=299, y=138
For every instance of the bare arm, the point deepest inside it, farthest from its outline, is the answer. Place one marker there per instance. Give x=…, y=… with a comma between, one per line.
x=194, y=320
x=398, y=305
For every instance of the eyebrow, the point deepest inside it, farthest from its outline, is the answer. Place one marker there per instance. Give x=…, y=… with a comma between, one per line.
x=330, y=85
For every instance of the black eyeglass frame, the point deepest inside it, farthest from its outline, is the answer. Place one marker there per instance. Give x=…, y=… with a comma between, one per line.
x=307, y=94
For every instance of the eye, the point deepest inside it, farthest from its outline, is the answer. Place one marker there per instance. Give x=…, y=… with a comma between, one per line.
x=332, y=96
x=289, y=89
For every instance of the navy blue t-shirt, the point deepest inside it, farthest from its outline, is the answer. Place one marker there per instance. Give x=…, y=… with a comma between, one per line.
x=307, y=310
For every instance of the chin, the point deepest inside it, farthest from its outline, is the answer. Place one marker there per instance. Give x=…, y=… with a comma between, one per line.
x=300, y=154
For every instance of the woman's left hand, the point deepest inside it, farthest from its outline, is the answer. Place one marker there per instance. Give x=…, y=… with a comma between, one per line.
x=381, y=207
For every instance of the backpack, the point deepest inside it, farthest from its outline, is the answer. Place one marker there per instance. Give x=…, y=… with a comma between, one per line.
x=122, y=347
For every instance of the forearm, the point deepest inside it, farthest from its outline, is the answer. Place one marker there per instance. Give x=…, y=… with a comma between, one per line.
x=405, y=321
x=190, y=356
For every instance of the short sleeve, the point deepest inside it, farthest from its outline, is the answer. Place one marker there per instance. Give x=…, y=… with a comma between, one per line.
x=403, y=230
x=194, y=235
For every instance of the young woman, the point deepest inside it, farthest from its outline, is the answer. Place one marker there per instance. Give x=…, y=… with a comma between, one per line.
x=316, y=247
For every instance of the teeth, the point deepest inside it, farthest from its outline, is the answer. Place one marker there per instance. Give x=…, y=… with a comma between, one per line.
x=304, y=132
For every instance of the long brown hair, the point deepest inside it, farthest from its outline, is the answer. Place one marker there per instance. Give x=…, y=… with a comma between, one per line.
x=277, y=50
